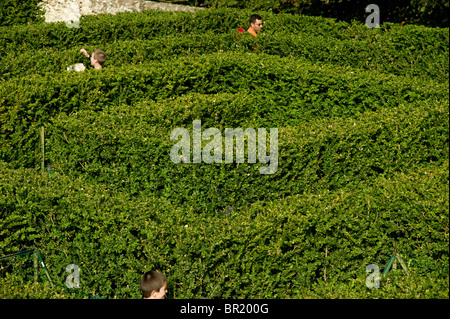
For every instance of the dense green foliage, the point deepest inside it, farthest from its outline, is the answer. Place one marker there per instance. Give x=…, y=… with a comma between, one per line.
x=408, y=50
x=363, y=126
x=17, y=12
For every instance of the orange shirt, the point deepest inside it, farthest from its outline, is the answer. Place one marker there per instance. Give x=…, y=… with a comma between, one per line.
x=252, y=31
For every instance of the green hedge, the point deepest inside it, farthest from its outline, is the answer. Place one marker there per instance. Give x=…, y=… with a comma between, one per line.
x=104, y=29
x=325, y=91
x=20, y=12
x=379, y=52
x=272, y=249
x=127, y=151
x=363, y=156
x=404, y=50
x=127, y=52
x=16, y=287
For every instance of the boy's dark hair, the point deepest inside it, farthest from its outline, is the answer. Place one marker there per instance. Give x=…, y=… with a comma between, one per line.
x=100, y=56
x=254, y=17
x=152, y=280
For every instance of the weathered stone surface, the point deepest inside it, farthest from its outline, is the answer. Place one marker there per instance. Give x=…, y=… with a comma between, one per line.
x=70, y=11
x=60, y=10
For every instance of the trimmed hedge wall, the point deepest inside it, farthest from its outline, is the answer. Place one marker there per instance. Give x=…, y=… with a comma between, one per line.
x=130, y=152
x=378, y=52
x=269, y=250
x=406, y=50
x=339, y=92
x=106, y=29
x=20, y=12
x=363, y=129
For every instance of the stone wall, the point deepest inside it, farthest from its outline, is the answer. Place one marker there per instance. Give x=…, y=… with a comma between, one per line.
x=70, y=11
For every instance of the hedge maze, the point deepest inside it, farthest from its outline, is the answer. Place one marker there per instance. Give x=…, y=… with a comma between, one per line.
x=363, y=145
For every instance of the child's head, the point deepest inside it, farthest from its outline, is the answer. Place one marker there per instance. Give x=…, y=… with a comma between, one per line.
x=98, y=57
x=153, y=285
